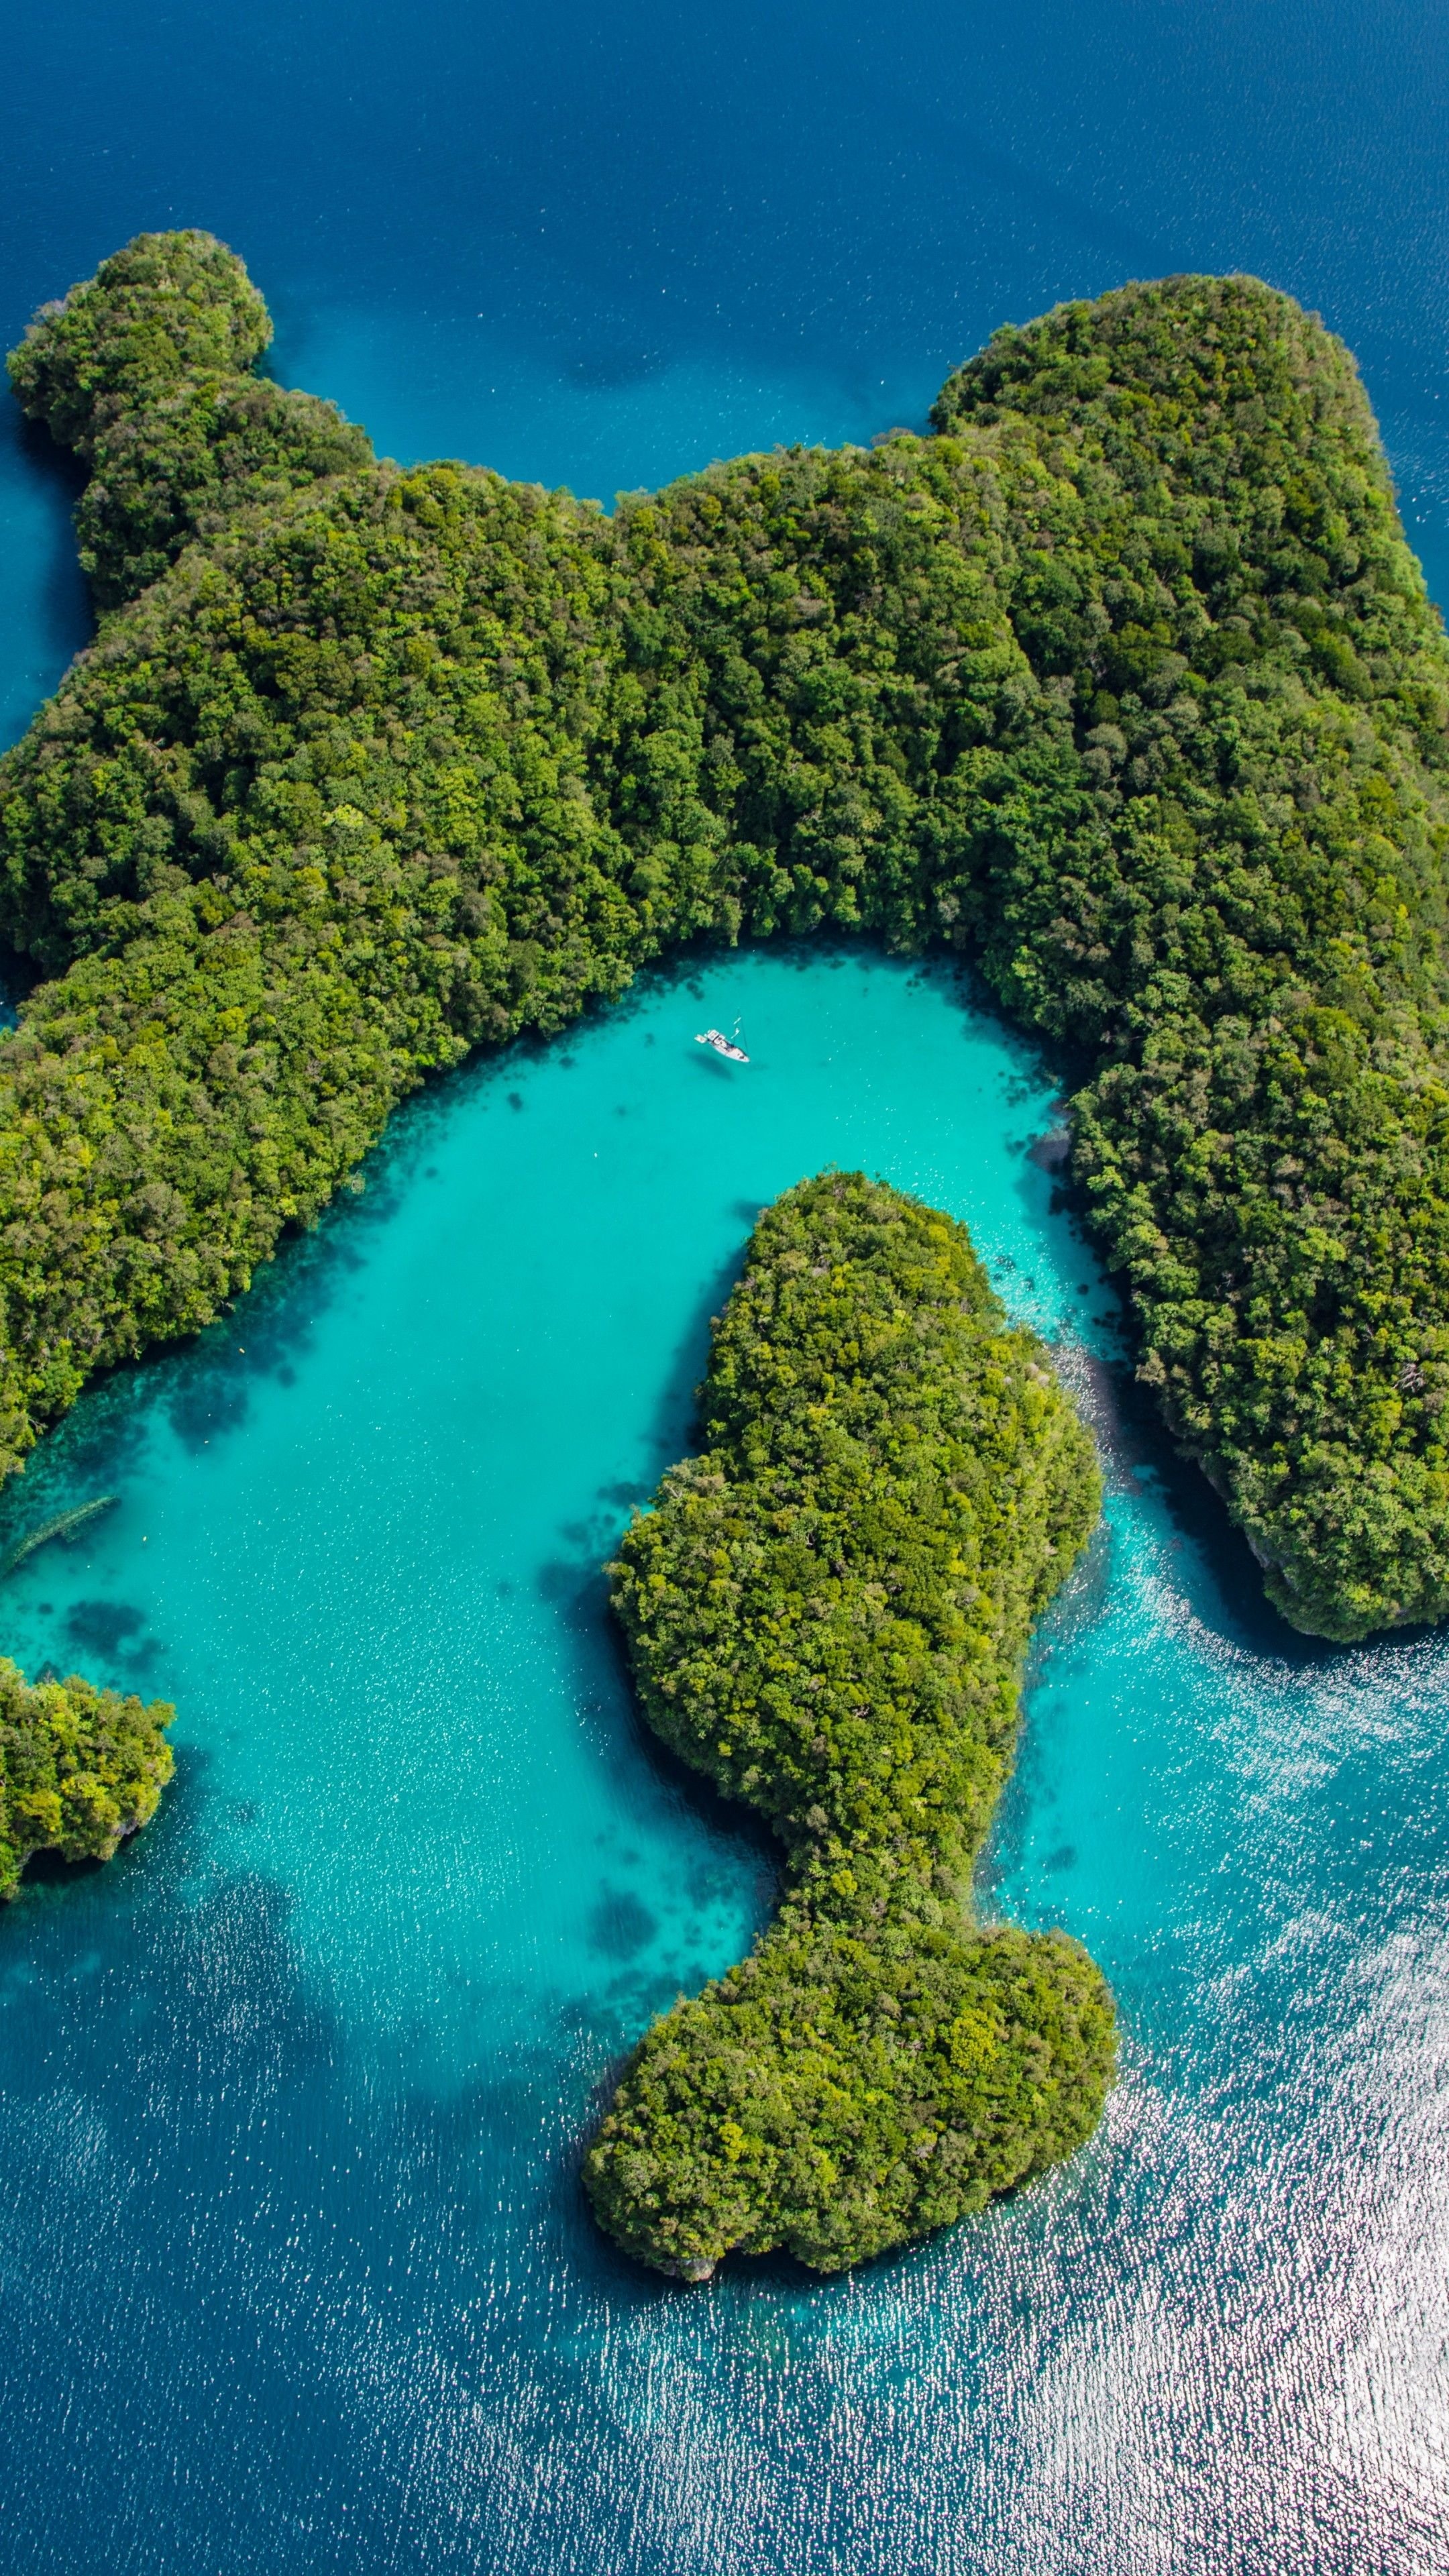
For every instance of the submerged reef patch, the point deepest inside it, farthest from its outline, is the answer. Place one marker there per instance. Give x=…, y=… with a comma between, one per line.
x=827, y=1613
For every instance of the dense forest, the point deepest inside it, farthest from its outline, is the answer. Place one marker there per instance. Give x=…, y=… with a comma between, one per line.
x=79, y=1770
x=1123, y=681
x=827, y=1612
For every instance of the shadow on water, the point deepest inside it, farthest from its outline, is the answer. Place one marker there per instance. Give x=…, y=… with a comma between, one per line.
x=1217, y=1569
x=202, y=1387
x=144, y=1873
x=1219, y=1573
x=18, y=979
x=577, y=1590
x=676, y=1429
x=52, y=1869
x=65, y=620
x=658, y=1944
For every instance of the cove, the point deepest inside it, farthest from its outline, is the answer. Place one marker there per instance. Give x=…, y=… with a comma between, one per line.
x=290, y=2094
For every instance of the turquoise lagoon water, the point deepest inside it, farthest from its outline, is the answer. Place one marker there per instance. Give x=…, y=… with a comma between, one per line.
x=294, y=2260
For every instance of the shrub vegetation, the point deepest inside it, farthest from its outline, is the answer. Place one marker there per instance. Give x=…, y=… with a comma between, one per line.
x=1124, y=680
x=827, y=1612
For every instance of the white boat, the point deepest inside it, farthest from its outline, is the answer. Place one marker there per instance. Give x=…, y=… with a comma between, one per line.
x=722, y=1045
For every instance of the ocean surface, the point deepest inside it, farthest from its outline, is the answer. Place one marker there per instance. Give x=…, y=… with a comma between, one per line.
x=294, y=2269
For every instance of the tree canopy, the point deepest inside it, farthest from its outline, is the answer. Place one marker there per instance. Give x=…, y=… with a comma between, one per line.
x=827, y=1612
x=80, y=1769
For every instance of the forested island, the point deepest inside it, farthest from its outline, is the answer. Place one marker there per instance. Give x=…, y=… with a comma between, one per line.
x=80, y=1769
x=826, y=1613
x=1124, y=681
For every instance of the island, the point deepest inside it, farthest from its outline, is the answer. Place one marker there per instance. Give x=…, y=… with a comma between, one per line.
x=827, y=1612
x=80, y=1770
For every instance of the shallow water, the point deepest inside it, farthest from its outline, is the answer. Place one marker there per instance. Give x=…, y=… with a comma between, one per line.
x=294, y=2271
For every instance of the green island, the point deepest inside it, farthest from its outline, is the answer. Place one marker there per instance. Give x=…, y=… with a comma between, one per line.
x=827, y=1612
x=80, y=1769
x=1123, y=681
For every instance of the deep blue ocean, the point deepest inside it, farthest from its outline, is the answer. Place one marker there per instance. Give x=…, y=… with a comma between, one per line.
x=294, y=2270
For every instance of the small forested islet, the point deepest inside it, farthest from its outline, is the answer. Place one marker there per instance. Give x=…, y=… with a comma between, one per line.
x=1123, y=681
x=826, y=1612
x=80, y=1769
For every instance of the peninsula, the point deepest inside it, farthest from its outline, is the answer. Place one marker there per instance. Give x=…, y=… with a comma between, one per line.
x=1124, y=681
